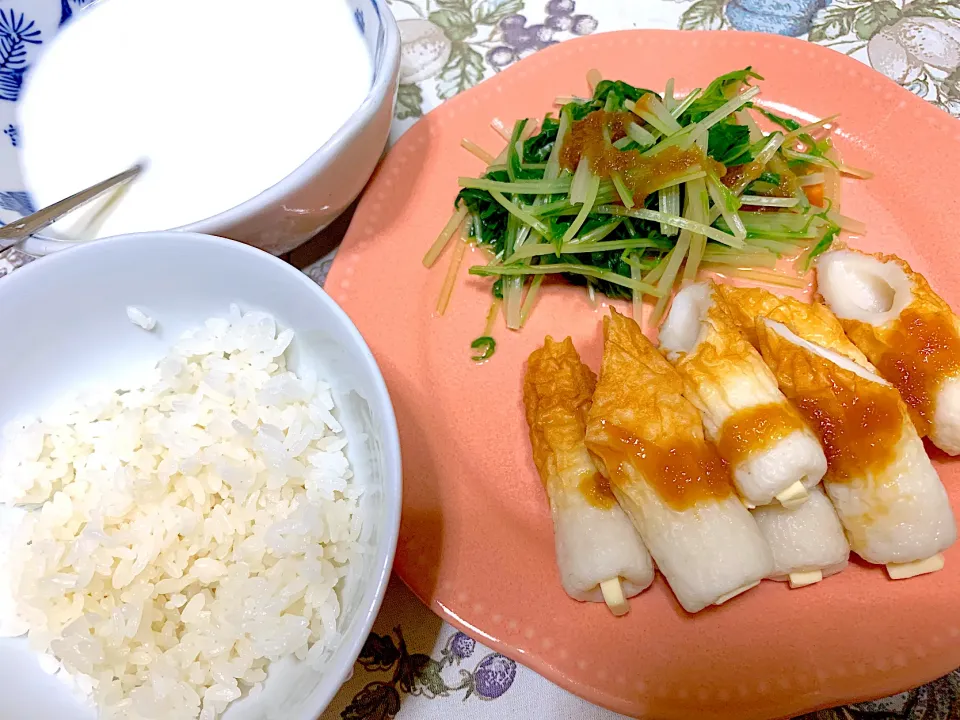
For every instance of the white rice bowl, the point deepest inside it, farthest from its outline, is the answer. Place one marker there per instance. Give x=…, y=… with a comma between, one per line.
x=223, y=520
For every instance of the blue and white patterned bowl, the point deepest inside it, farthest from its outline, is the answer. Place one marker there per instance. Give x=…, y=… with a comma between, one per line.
x=278, y=219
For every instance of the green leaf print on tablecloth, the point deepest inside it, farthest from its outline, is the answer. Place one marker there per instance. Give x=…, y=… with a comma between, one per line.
x=456, y=43
x=872, y=17
x=704, y=15
x=916, y=44
x=463, y=70
x=835, y=22
x=409, y=101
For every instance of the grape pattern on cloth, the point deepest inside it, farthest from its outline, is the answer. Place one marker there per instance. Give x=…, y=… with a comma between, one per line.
x=451, y=45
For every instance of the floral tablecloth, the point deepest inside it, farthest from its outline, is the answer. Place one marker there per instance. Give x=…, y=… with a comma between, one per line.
x=416, y=666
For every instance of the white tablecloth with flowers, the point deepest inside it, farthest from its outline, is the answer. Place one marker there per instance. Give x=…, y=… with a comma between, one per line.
x=414, y=665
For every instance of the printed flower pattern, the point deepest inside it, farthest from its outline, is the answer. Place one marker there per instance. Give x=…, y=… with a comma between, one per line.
x=913, y=42
x=451, y=45
x=419, y=675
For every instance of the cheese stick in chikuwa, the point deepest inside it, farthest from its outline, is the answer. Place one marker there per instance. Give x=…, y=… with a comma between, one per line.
x=888, y=496
x=674, y=486
x=599, y=554
x=905, y=329
x=807, y=541
x=772, y=453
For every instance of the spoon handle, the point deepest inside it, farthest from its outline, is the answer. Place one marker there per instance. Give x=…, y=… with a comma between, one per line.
x=23, y=228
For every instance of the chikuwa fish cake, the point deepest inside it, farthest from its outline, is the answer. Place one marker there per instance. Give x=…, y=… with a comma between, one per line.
x=905, y=329
x=772, y=453
x=889, y=498
x=676, y=489
x=807, y=541
x=600, y=556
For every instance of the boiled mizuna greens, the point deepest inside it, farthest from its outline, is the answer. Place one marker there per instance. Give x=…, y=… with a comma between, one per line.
x=632, y=192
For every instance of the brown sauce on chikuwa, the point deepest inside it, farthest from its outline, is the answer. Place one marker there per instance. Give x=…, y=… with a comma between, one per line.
x=924, y=351
x=596, y=490
x=682, y=475
x=756, y=428
x=859, y=429
x=642, y=175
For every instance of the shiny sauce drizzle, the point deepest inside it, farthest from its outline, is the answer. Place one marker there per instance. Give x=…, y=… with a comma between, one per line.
x=858, y=426
x=688, y=472
x=756, y=428
x=643, y=175
x=596, y=490
x=924, y=351
x=743, y=175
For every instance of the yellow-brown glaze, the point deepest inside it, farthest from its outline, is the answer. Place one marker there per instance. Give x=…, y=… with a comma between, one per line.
x=811, y=321
x=642, y=175
x=859, y=422
x=683, y=474
x=917, y=350
x=716, y=372
x=596, y=490
x=743, y=175
x=755, y=429
x=924, y=350
x=557, y=391
x=640, y=425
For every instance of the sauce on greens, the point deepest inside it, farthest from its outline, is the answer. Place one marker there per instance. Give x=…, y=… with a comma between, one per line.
x=592, y=138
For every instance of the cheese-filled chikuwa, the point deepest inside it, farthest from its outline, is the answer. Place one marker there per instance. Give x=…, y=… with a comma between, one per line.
x=885, y=490
x=600, y=556
x=807, y=540
x=671, y=482
x=905, y=329
x=772, y=453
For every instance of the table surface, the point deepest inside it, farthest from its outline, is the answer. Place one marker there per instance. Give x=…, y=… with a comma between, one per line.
x=414, y=665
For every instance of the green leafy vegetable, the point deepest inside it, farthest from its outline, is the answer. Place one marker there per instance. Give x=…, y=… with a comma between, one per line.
x=823, y=244
x=716, y=94
x=784, y=122
x=487, y=347
x=729, y=144
x=618, y=90
x=537, y=218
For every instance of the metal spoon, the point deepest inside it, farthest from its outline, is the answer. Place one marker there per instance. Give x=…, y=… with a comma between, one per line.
x=17, y=232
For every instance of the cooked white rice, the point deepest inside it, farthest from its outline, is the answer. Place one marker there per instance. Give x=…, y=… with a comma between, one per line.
x=139, y=317
x=189, y=531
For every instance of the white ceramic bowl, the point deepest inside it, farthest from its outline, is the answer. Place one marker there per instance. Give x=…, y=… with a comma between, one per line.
x=63, y=326
x=278, y=219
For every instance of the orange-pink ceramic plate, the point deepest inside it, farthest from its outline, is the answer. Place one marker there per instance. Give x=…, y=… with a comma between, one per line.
x=476, y=540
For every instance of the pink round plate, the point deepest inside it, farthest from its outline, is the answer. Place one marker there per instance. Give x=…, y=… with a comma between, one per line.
x=476, y=541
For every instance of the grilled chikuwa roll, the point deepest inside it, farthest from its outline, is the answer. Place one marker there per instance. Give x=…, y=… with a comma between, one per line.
x=771, y=451
x=671, y=482
x=812, y=321
x=807, y=541
x=599, y=554
x=905, y=329
x=888, y=496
